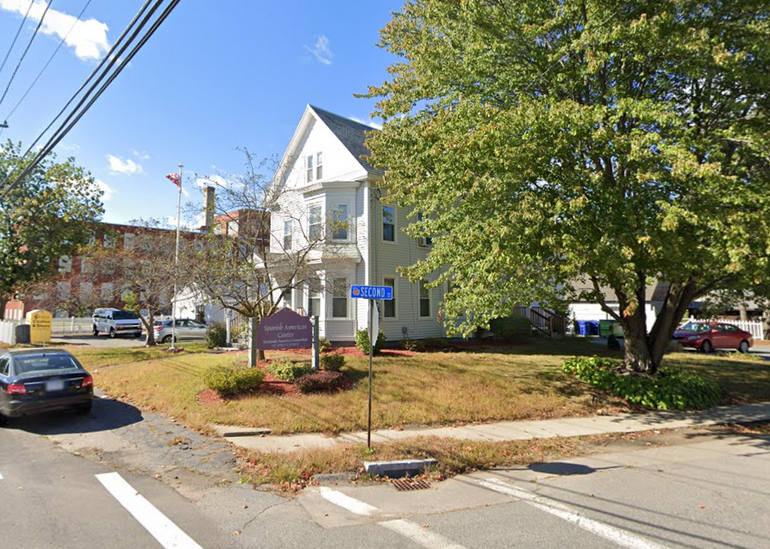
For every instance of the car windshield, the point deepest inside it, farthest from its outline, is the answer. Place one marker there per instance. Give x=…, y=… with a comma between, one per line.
x=124, y=315
x=695, y=327
x=36, y=364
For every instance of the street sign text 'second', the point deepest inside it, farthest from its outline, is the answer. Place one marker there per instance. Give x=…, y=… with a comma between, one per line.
x=371, y=292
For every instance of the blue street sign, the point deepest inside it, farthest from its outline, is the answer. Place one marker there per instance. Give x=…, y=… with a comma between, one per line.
x=371, y=292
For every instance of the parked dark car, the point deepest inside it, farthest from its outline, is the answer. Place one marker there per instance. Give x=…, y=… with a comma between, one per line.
x=42, y=380
x=709, y=335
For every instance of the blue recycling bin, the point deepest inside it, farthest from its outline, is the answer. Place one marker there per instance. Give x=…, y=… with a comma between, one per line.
x=582, y=327
x=593, y=327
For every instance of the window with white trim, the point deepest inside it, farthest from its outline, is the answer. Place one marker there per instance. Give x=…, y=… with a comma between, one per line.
x=424, y=299
x=314, y=167
x=389, y=305
x=128, y=240
x=314, y=297
x=287, y=297
x=340, y=298
x=389, y=223
x=288, y=228
x=340, y=222
x=65, y=264
x=315, y=231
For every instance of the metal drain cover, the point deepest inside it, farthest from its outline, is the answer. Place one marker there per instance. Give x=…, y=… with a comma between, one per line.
x=405, y=484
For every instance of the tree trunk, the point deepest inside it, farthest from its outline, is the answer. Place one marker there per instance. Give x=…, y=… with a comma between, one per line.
x=743, y=312
x=638, y=354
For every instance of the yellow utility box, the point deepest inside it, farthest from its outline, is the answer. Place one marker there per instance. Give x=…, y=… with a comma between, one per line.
x=39, y=326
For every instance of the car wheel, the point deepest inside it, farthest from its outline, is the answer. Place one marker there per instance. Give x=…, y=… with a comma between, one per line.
x=707, y=346
x=3, y=420
x=112, y=333
x=138, y=335
x=96, y=331
x=166, y=339
x=83, y=409
x=743, y=347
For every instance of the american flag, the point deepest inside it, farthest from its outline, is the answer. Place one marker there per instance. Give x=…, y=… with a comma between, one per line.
x=175, y=178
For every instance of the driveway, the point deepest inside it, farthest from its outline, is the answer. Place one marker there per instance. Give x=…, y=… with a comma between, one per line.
x=97, y=341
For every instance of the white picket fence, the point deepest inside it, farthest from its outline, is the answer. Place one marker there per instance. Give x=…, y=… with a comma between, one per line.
x=754, y=327
x=71, y=325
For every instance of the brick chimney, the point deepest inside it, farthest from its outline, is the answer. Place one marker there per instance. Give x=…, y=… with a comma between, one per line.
x=208, y=208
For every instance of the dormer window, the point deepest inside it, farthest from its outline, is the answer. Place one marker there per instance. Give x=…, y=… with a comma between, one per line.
x=314, y=166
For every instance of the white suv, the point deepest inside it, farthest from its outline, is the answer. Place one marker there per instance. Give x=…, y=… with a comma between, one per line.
x=116, y=322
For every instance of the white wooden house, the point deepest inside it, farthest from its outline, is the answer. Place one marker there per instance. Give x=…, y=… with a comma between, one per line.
x=323, y=182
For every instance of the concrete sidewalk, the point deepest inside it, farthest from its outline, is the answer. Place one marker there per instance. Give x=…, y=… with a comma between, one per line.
x=255, y=439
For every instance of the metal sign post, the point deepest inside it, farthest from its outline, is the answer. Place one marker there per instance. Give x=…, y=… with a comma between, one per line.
x=371, y=293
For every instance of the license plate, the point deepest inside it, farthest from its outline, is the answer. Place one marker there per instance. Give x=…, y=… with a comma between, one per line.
x=54, y=385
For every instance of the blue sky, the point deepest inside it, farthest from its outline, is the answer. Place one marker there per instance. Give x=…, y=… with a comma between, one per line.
x=215, y=77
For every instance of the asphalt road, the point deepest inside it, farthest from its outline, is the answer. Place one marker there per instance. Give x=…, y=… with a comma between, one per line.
x=60, y=479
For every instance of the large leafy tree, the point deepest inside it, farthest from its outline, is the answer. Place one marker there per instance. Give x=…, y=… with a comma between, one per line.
x=47, y=215
x=621, y=143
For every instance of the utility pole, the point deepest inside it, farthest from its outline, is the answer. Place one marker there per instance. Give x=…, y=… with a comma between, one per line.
x=176, y=263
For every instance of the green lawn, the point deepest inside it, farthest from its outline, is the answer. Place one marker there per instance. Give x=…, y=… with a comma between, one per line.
x=480, y=385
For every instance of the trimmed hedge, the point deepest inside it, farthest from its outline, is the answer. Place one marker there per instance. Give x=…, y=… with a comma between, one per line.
x=320, y=382
x=511, y=329
x=362, y=341
x=288, y=370
x=230, y=381
x=671, y=390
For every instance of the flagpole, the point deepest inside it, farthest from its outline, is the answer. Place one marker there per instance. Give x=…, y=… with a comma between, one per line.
x=176, y=262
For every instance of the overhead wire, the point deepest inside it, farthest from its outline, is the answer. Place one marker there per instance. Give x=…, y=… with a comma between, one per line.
x=24, y=54
x=85, y=102
x=18, y=31
x=61, y=43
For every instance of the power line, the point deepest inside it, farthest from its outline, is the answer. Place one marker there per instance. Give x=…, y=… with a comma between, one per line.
x=24, y=20
x=63, y=40
x=75, y=116
x=24, y=54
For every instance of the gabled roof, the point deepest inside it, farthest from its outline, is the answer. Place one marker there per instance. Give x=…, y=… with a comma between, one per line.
x=352, y=134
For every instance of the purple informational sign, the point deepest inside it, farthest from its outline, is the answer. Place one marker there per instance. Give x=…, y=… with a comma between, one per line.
x=285, y=330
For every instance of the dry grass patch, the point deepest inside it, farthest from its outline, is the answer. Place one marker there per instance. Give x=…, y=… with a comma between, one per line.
x=295, y=470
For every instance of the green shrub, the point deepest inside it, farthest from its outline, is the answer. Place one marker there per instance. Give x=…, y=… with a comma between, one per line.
x=671, y=390
x=333, y=362
x=216, y=335
x=324, y=345
x=320, y=382
x=230, y=381
x=434, y=344
x=288, y=370
x=362, y=341
x=414, y=345
x=511, y=329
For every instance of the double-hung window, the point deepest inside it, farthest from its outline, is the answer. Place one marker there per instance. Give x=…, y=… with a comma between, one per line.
x=340, y=222
x=424, y=299
x=316, y=223
x=314, y=168
x=314, y=297
x=389, y=305
x=389, y=223
x=288, y=228
x=340, y=298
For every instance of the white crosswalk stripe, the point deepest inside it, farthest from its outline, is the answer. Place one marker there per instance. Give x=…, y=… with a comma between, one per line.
x=611, y=533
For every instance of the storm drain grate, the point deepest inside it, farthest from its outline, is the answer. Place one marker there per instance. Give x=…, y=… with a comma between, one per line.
x=405, y=484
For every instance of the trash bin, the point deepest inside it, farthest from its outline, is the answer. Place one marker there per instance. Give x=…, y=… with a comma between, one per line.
x=605, y=327
x=582, y=327
x=593, y=327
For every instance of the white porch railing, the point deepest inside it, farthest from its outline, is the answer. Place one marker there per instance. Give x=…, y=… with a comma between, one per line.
x=754, y=327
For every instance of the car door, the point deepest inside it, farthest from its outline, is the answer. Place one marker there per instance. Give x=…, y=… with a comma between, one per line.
x=719, y=336
x=183, y=329
x=197, y=329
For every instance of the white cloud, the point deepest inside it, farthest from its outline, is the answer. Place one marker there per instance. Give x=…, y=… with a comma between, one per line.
x=88, y=38
x=141, y=155
x=69, y=147
x=108, y=191
x=321, y=50
x=128, y=166
x=371, y=123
